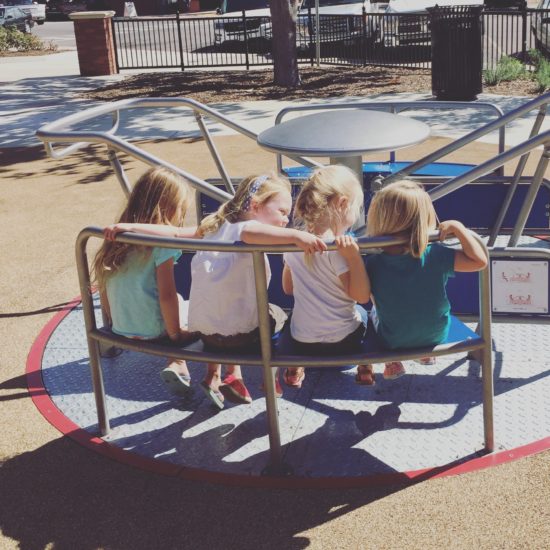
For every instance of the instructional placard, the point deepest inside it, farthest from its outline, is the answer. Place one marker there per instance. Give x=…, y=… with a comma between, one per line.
x=520, y=286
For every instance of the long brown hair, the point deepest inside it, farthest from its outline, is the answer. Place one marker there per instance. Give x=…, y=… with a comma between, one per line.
x=234, y=209
x=403, y=207
x=158, y=197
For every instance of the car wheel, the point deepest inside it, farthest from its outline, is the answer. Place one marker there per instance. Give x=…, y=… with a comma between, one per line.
x=40, y=22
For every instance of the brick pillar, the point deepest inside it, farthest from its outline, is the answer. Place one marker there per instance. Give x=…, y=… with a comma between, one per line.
x=94, y=42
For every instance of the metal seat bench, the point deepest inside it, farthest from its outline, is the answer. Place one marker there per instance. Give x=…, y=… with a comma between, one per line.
x=461, y=338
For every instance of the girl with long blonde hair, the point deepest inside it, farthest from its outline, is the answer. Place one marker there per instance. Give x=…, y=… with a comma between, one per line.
x=408, y=281
x=326, y=288
x=223, y=307
x=136, y=284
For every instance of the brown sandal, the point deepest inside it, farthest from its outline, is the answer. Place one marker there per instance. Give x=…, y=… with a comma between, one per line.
x=365, y=376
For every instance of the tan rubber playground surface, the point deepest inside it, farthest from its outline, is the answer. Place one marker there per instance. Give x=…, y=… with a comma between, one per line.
x=55, y=494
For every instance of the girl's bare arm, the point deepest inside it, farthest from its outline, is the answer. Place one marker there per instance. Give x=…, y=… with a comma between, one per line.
x=151, y=229
x=472, y=256
x=288, y=287
x=261, y=233
x=168, y=299
x=356, y=281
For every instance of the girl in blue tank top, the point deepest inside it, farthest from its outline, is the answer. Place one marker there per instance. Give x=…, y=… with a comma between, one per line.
x=408, y=282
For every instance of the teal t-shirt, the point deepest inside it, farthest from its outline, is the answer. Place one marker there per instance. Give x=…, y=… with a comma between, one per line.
x=133, y=294
x=412, y=308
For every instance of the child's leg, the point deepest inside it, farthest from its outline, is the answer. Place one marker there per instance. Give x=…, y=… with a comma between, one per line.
x=211, y=384
x=365, y=375
x=393, y=370
x=176, y=376
x=213, y=375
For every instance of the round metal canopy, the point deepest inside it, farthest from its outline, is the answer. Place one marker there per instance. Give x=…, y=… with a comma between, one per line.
x=343, y=133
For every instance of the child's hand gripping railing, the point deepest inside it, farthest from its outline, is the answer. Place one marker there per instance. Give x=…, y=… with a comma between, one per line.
x=268, y=357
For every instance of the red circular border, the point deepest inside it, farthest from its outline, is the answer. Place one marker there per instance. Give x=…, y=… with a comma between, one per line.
x=57, y=419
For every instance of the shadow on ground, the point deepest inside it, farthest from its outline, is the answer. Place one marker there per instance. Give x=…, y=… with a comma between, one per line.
x=61, y=496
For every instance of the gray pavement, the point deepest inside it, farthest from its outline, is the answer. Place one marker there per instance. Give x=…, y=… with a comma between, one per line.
x=35, y=90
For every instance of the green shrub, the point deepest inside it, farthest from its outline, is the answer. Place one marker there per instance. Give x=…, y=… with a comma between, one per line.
x=507, y=69
x=542, y=76
x=12, y=39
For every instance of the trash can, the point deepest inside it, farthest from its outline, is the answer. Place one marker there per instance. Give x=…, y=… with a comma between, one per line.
x=456, y=52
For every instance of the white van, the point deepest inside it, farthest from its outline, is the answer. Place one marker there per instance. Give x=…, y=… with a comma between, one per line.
x=400, y=31
x=258, y=21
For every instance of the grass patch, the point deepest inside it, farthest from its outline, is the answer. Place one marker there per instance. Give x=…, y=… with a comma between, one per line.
x=507, y=69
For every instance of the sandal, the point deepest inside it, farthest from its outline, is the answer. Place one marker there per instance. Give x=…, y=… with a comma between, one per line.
x=393, y=370
x=234, y=390
x=214, y=395
x=294, y=379
x=178, y=384
x=426, y=361
x=365, y=376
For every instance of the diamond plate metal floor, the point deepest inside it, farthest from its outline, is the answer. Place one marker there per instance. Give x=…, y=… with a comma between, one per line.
x=331, y=428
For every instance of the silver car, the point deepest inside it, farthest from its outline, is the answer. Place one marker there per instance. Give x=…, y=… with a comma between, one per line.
x=11, y=16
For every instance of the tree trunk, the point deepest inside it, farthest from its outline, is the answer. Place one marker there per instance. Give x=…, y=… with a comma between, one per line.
x=285, y=61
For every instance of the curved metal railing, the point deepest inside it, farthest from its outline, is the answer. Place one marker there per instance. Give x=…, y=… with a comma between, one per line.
x=267, y=359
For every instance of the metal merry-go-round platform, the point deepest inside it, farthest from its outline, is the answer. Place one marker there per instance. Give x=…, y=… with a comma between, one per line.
x=433, y=421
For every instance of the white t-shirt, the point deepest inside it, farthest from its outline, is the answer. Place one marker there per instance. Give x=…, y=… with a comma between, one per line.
x=323, y=312
x=223, y=292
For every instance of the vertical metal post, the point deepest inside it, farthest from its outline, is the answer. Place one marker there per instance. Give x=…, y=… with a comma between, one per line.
x=214, y=153
x=275, y=465
x=364, y=34
x=524, y=32
x=530, y=197
x=89, y=320
x=487, y=358
x=179, y=40
x=246, y=48
x=317, y=35
x=514, y=183
x=310, y=32
x=119, y=172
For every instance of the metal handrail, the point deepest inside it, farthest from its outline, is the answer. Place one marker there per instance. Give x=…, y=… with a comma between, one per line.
x=62, y=132
x=539, y=102
x=95, y=336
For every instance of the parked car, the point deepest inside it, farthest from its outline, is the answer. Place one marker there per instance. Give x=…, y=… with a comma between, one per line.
x=35, y=10
x=12, y=16
x=60, y=9
x=407, y=21
x=258, y=21
x=540, y=27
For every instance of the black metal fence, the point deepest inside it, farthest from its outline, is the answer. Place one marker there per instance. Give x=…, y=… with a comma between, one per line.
x=368, y=39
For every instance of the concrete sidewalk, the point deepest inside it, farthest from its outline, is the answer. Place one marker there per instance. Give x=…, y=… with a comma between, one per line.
x=55, y=88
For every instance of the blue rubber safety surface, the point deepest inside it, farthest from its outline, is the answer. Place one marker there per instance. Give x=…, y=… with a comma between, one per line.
x=430, y=417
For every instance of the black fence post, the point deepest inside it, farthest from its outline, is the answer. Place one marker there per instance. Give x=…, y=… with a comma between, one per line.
x=246, y=42
x=179, y=39
x=364, y=36
x=310, y=33
x=524, y=32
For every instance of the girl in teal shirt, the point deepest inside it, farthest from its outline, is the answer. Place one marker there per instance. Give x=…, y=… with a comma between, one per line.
x=408, y=281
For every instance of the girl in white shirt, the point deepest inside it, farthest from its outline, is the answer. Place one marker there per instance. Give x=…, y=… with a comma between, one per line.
x=222, y=300
x=326, y=287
